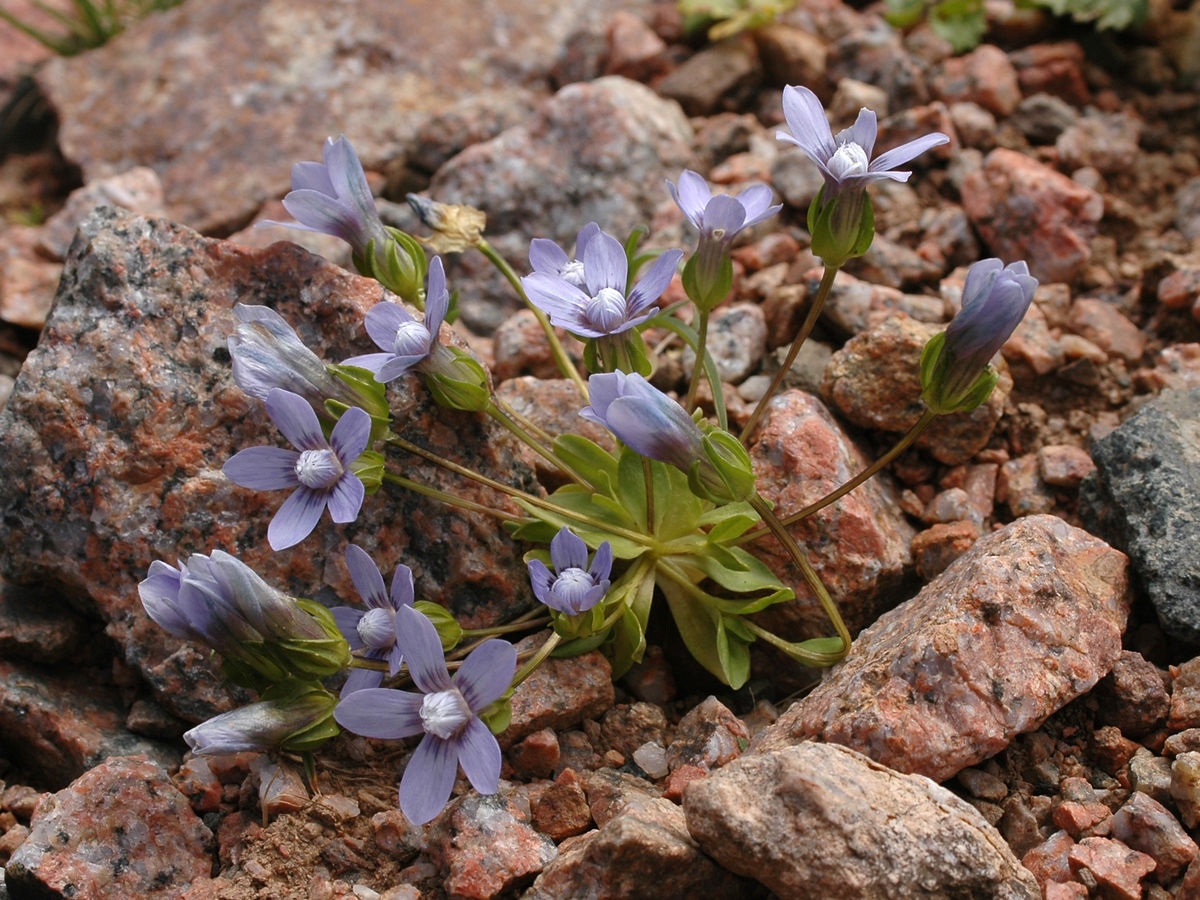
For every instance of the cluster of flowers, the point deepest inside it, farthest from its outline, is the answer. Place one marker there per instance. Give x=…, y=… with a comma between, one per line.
x=667, y=512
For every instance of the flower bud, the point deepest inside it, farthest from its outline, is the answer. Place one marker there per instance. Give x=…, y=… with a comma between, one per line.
x=456, y=379
x=725, y=474
x=298, y=722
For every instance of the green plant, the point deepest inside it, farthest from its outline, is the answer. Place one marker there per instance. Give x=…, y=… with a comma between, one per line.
x=724, y=18
x=88, y=23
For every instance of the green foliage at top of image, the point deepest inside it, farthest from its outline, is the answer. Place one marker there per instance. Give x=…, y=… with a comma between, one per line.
x=963, y=23
x=87, y=23
x=724, y=18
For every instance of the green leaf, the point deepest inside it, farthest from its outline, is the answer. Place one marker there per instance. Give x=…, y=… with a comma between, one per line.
x=729, y=522
x=703, y=631
x=904, y=13
x=961, y=22
x=629, y=635
x=589, y=459
x=736, y=570
x=579, y=646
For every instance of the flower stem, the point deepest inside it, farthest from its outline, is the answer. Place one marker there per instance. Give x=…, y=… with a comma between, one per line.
x=450, y=499
x=810, y=321
x=648, y=477
x=903, y=444
x=556, y=348
x=509, y=628
x=810, y=574
x=701, y=346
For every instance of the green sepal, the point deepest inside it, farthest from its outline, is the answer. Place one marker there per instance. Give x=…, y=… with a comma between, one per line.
x=320, y=731
x=833, y=249
x=450, y=633
x=707, y=296
x=462, y=384
x=579, y=646
x=729, y=459
x=936, y=365
x=372, y=393
x=497, y=716
x=400, y=266
x=250, y=676
x=369, y=469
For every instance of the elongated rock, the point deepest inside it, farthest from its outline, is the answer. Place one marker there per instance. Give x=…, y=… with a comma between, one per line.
x=817, y=820
x=118, y=426
x=1024, y=622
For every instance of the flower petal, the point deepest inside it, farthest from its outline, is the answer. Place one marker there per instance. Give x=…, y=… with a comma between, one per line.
x=346, y=499
x=605, y=264
x=568, y=550
x=366, y=577
x=651, y=286
x=422, y=648
x=263, y=468
x=296, y=518
x=383, y=320
x=402, y=587
x=350, y=182
x=346, y=618
x=723, y=218
x=372, y=362
x=319, y=212
x=350, y=435
x=756, y=200
x=479, y=756
x=586, y=233
x=361, y=680
x=295, y=420
x=381, y=713
x=886, y=162
x=312, y=176
x=437, y=299
x=539, y=577
x=546, y=256
x=395, y=367
x=692, y=196
x=808, y=123
x=486, y=673
x=602, y=562
x=428, y=779
x=863, y=132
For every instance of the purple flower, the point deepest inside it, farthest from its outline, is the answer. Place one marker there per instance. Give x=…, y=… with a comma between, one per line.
x=845, y=161
x=334, y=198
x=548, y=258
x=720, y=218
x=267, y=354
x=319, y=471
x=373, y=631
x=406, y=341
x=994, y=301
x=446, y=712
x=644, y=418
x=260, y=726
x=574, y=588
x=600, y=307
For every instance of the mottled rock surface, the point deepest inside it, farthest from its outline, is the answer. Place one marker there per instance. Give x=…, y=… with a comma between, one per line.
x=559, y=694
x=121, y=830
x=123, y=416
x=859, y=545
x=644, y=853
x=1025, y=621
x=819, y=820
x=875, y=382
x=279, y=77
x=1142, y=498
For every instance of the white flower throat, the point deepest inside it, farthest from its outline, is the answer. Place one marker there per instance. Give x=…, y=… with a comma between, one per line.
x=573, y=584
x=444, y=713
x=606, y=310
x=377, y=628
x=412, y=339
x=849, y=159
x=318, y=469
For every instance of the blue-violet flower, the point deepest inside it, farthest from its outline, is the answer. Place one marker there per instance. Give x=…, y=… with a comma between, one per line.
x=446, y=713
x=373, y=631
x=600, y=307
x=574, y=587
x=644, y=418
x=319, y=471
x=548, y=258
x=406, y=341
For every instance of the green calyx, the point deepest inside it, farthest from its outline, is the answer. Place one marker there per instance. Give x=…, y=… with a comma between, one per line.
x=456, y=380
x=400, y=266
x=707, y=282
x=938, y=390
x=842, y=227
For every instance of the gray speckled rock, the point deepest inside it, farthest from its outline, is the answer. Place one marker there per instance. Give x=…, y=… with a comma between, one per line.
x=118, y=426
x=1024, y=622
x=817, y=820
x=1143, y=498
x=280, y=75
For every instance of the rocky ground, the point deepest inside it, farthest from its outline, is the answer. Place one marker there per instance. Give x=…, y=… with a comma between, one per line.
x=1024, y=697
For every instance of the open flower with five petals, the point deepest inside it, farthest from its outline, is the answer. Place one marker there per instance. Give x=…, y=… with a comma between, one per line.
x=574, y=587
x=547, y=258
x=319, y=471
x=372, y=632
x=445, y=712
x=405, y=341
x=600, y=307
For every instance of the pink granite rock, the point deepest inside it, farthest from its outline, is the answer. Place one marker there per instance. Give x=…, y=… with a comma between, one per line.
x=1023, y=209
x=1107, y=143
x=123, y=416
x=1146, y=825
x=859, y=545
x=27, y=279
x=1107, y=327
x=875, y=382
x=487, y=844
x=818, y=820
x=709, y=736
x=984, y=76
x=121, y=830
x=276, y=84
x=559, y=694
x=644, y=852
x=38, y=626
x=1022, y=623
x=57, y=740
x=1115, y=867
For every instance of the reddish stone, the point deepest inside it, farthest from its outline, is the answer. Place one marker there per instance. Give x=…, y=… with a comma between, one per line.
x=634, y=50
x=1108, y=328
x=791, y=55
x=559, y=694
x=536, y=756
x=984, y=76
x=680, y=778
x=1072, y=890
x=610, y=793
x=37, y=625
x=950, y=677
x=1146, y=825
x=1055, y=69
x=1132, y=696
x=1106, y=143
x=520, y=347
x=935, y=548
x=1064, y=465
x=561, y=810
x=1048, y=860
x=1185, y=696
x=859, y=544
x=1019, y=484
x=27, y=281
x=1077, y=818
x=1117, y=868
x=122, y=829
x=709, y=736
x=1023, y=209
x=627, y=727
x=1111, y=749
x=1186, y=741
x=1177, y=366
